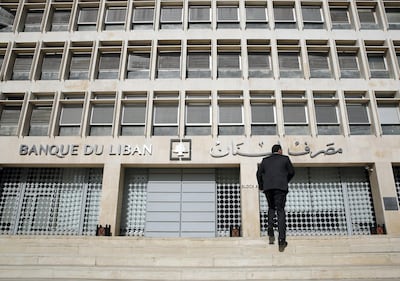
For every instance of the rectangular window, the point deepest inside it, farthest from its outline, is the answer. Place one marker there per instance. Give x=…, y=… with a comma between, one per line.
x=101, y=119
x=327, y=118
x=259, y=64
x=143, y=18
x=389, y=118
x=22, y=67
x=9, y=118
x=33, y=20
x=60, y=20
x=285, y=16
x=115, y=18
x=263, y=120
x=378, y=65
x=230, y=120
x=256, y=17
x=198, y=64
x=312, y=17
x=295, y=118
x=289, y=64
x=138, y=65
x=227, y=17
x=79, y=66
x=109, y=66
x=229, y=65
x=198, y=118
x=367, y=16
x=319, y=64
x=87, y=19
x=171, y=17
x=169, y=65
x=7, y=16
x=133, y=119
x=349, y=67
x=70, y=119
x=358, y=117
x=51, y=67
x=340, y=17
x=39, y=120
x=393, y=17
x=165, y=119
x=200, y=17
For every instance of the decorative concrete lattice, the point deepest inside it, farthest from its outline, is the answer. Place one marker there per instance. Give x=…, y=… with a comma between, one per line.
x=228, y=201
x=342, y=205
x=133, y=219
x=49, y=201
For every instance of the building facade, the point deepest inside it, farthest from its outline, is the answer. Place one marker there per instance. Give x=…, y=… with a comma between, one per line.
x=151, y=116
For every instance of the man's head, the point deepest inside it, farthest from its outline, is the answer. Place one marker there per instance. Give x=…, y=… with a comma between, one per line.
x=276, y=148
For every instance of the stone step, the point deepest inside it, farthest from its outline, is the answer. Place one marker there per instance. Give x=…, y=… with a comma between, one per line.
x=125, y=258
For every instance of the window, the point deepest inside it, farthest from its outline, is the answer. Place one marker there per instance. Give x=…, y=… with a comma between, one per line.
x=198, y=114
x=102, y=114
x=357, y=114
x=22, y=66
x=39, y=120
x=169, y=60
x=263, y=114
x=289, y=63
x=198, y=59
x=108, y=66
x=312, y=17
x=60, y=20
x=115, y=18
x=319, y=60
x=393, y=16
x=285, y=16
x=340, y=17
x=79, y=66
x=71, y=116
x=367, y=17
x=256, y=17
x=259, y=64
x=171, y=17
x=33, y=20
x=227, y=17
x=50, y=67
x=166, y=114
x=229, y=59
x=134, y=112
x=10, y=111
x=138, y=65
x=295, y=114
x=348, y=63
x=87, y=19
x=378, y=65
x=230, y=114
x=7, y=16
x=200, y=17
x=143, y=17
x=326, y=113
x=388, y=112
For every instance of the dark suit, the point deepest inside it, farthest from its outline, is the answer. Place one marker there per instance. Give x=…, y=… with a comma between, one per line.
x=273, y=176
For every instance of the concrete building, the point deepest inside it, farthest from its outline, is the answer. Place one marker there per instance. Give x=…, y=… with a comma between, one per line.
x=151, y=116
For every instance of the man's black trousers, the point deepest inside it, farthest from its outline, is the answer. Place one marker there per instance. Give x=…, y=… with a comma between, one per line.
x=276, y=199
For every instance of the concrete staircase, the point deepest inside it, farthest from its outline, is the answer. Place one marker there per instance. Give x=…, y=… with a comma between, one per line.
x=60, y=258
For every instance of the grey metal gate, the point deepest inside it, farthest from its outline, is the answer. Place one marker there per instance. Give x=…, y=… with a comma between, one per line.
x=327, y=201
x=180, y=202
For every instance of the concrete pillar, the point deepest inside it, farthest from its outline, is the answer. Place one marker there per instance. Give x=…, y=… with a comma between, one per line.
x=110, y=195
x=384, y=188
x=249, y=200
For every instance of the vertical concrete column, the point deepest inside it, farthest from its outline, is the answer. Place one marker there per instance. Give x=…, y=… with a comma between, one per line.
x=250, y=199
x=110, y=196
x=385, y=197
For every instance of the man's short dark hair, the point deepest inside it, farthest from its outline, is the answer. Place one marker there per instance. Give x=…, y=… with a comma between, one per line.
x=276, y=148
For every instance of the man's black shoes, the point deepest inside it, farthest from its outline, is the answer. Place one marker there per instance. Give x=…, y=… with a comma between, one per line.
x=271, y=239
x=282, y=245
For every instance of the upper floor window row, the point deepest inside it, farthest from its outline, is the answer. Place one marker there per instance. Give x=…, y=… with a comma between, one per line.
x=199, y=59
x=151, y=15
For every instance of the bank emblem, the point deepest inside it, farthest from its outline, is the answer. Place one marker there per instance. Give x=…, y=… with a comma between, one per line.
x=181, y=149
